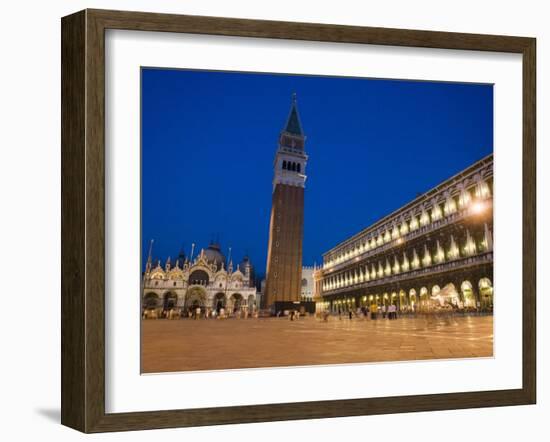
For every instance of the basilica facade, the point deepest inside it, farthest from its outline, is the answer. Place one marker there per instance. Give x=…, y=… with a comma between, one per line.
x=206, y=282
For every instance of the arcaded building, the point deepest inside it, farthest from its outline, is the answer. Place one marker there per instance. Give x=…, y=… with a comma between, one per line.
x=436, y=251
x=207, y=281
x=284, y=255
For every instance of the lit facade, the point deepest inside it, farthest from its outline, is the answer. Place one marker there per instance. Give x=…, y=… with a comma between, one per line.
x=435, y=251
x=204, y=282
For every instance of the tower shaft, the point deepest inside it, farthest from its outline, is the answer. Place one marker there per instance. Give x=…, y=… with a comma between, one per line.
x=284, y=264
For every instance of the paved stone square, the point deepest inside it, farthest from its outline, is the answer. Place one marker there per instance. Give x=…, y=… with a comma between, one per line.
x=209, y=344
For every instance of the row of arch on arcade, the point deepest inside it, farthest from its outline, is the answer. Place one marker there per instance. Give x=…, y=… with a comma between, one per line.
x=472, y=200
x=467, y=295
x=196, y=298
x=435, y=252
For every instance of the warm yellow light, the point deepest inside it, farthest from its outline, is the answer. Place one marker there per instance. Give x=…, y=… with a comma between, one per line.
x=396, y=267
x=478, y=207
x=427, y=260
x=450, y=206
x=387, y=269
x=482, y=190
x=424, y=218
x=395, y=233
x=436, y=212
x=464, y=198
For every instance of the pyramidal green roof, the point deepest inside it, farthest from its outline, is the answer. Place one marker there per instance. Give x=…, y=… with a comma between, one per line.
x=293, y=125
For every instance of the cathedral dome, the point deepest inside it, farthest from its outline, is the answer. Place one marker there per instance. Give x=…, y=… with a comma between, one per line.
x=244, y=263
x=214, y=255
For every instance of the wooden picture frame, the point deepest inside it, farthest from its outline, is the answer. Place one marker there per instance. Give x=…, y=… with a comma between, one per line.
x=83, y=220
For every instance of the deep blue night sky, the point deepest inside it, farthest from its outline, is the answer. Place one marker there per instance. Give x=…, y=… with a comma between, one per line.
x=209, y=140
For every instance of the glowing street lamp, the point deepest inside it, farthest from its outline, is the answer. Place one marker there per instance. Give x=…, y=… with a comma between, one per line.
x=477, y=207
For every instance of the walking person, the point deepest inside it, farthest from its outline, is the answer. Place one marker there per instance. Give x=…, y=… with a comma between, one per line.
x=373, y=311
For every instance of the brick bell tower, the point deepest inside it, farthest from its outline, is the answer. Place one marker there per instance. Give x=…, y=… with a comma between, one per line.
x=284, y=254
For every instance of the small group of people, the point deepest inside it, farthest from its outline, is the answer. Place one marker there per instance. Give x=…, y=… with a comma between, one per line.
x=389, y=311
x=373, y=312
x=291, y=314
x=218, y=313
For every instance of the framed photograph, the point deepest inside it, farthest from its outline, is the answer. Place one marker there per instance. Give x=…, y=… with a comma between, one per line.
x=266, y=221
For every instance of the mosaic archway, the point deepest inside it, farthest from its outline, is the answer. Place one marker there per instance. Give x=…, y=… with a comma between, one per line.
x=219, y=302
x=151, y=300
x=236, y=302
x=195, y=297
x=170, y=300
x=251, y=302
